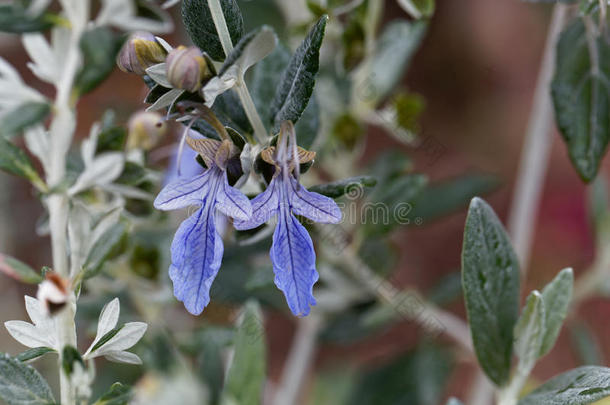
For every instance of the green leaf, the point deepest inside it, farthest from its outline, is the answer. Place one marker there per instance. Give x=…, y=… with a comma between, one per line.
x=111, y=139
x=109, y=335
x=339, y=188
x=581, y=95
x=19, y=270
x=133, y=174
x=529, y=332
x=263, y=80
x=32, y=354
x=415, y=379
x=118, y=394
x=14, y=160
x=200, y=25
x=105, y=248
x=22, y=117
x=21, y=384
x=15, y=19
x=70, y=356
x=490, y=279
x=448, y=196
x=598, y=202
x=246, y=376
x=395, y=48
x=557, y=296
x=580, y=386
x=298, y=80
x=100, y=47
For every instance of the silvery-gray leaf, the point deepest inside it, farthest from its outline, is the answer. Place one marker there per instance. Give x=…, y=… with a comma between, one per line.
x=107, y=220
x=13, y=92
x=164, y=44
x=27, y=334
x=166, y=100
x=219, y=84
x=79, y=229
x=37, y=141
x=36, y=7
x=128, y=336
x=123, y=357
x=158, y=74
x=122, y=14
x=129, y=192
x=108, y=319
x=529, y=331
x=43, y=65
x=103, y=170
x=89, y=145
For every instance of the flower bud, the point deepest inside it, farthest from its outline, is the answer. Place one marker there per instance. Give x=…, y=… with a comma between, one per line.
x=140, y=51
x=187, y=68
x=145, y=130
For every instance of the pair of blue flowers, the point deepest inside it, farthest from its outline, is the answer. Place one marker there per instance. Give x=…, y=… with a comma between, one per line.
x=197, y=248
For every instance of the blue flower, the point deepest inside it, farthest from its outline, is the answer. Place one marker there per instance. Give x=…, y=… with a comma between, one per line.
x=292, y=252
x=197, y=249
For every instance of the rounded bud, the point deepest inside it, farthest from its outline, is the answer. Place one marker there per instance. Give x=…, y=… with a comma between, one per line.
x=145, y=130
x=140, y=51
x=187, y=68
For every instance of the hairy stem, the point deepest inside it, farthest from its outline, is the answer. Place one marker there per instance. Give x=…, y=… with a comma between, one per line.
x=260, y=133
x=61, y=135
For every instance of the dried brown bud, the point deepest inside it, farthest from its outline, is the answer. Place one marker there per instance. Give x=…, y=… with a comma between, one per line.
x=53, y=292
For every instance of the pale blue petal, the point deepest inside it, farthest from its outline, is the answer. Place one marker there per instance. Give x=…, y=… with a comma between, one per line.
x=231, y=202
x=196, y=256
x=183, y=192
x=294, y=263
x=188, y=166
x=312, y=205
x=264, y=206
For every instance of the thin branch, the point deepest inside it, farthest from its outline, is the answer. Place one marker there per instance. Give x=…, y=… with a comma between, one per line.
x=536, y=150
x=260, y=133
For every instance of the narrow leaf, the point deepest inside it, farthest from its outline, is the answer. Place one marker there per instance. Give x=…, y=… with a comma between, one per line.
x=298, y=80
x=32, y=354
x=200, y=25
x=22, y=117
x=490, y=279
x=529, y=331
x=105, y=248
x=21, y=384
x=100, y=47
x=19, y=270
x=118, y=394
x=14, y=160
x=580, y=386
x=556, y=295
x=351, y=185
x=246, y=376
x=16, y=19
x=581, y=95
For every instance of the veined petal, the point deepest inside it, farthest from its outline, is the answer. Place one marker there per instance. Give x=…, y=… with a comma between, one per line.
x=312, y=205
x=264, y=206
x=294, y=263
x=196, y=256
x=231, y=202
x=183, y=193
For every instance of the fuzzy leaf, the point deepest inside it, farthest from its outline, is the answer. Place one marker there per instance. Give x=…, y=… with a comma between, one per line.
x=22, y=117
x=298, y=80
x=21, y=384
x=490, y=279
x=118, y=394
x=246, y=376
x=16, y=19
x=34, y=353
x=529, y=331
x=556, y=295
x=581, y=95
x=339, y=188
x=580, y=386
x=104, y=248
x=19, y=270
x=200, y=25
x=100, y=47
x=14, y=160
